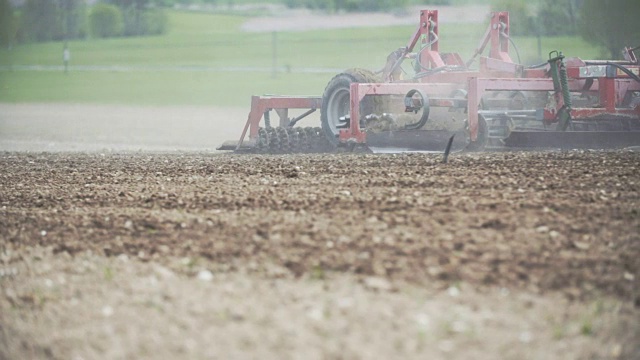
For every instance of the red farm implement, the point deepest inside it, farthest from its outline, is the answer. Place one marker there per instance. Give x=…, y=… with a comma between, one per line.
x=561, y=103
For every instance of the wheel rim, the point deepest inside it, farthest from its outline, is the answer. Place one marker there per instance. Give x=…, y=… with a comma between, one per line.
x=337, y=107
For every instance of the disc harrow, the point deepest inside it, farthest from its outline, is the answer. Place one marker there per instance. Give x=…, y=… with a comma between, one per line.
x=488, y=102
x=280, y=140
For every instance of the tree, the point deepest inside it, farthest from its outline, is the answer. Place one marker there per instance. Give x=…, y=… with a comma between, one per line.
x=47, y=20
x=42, y=20
x=132, y=11
x=141, y=18
x=353, y=5
x=74, y=17
x=611, y=24
x=105, y=20
x=557, y=17
x=7, y=24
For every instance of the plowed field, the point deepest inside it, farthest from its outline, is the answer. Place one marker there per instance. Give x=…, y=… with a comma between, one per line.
x=382, y=251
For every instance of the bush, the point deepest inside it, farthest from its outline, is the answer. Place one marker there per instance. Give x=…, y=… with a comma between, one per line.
x=105, y=21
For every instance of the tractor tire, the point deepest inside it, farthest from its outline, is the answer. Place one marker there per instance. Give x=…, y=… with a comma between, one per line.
x=336, y=101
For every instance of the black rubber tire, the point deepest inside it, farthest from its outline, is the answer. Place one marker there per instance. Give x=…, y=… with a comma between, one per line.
x=336, y=100
x=483, y=136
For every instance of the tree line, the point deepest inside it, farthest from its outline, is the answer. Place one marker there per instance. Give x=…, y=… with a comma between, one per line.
x=60, y=20
x=610, y=24
x=356, y=5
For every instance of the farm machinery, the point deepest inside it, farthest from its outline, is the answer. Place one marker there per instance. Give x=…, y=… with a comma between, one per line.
x=561, y=103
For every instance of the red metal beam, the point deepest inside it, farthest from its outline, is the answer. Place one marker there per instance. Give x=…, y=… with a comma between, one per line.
x=499, y=42
x=586, y=113
x=354, y=133
x=402, y=89
x=260, y=104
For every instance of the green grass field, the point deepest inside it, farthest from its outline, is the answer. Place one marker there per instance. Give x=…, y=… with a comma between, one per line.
x=202, y=43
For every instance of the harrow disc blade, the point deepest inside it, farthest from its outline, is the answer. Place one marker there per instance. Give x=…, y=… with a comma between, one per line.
x=415, y=141
x=573, y=139
x=233, y=144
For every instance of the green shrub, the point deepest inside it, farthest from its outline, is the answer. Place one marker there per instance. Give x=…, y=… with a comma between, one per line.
x=105, y=21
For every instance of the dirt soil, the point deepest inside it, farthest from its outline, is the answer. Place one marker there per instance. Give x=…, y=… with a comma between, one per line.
x=496, y=255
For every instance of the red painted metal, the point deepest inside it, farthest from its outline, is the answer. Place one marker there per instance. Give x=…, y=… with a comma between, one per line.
x=261, y=104
x=586, y=113
x=499, y=33
x=429, y=39
x=474, y=95
x=436, y=89
x=354, y=133
x=441, y=75
x=499, y=68
x=497, y=73
x=608, y=93
x=630, y=55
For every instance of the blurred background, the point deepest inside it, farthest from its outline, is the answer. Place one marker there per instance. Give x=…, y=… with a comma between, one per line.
x=198, y=52
x=203, y=53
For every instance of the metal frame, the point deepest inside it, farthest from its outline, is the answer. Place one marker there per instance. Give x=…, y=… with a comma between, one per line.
x=445, y=73
x=497, y=73
x=261, y=105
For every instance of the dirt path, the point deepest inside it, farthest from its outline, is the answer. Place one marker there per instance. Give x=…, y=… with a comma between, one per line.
x=73, y=127
x=503, y=255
